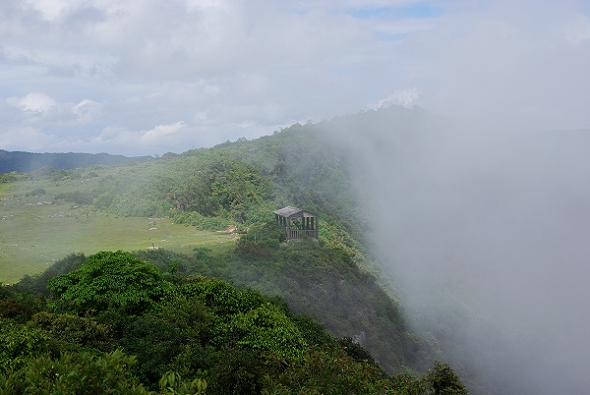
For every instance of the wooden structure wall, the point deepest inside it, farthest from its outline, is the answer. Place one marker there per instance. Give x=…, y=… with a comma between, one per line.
x=297, y=223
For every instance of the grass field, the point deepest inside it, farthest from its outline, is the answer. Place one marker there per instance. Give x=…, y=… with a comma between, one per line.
x=35, y=232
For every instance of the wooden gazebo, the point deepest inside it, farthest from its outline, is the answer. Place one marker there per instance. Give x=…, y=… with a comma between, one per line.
x=297, y=223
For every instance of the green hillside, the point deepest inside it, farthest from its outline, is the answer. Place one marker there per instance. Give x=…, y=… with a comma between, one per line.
x=209, y=212
x=116, y=324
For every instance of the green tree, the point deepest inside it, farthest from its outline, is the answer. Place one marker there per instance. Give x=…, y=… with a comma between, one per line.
x=239, y=372
x=444, y=381
x=172, y=384
x=170, y=338
x=18, y=343
x=78, y=331
x=328, y=372
x=265, y=329
x=75, y=374
x=109, y=280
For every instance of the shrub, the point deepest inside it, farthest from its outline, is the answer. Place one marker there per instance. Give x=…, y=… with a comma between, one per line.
x=238, y=372
x=19, y=343
x=76, y=374
x=108, y=279
x=37, y=192
x=444, y=381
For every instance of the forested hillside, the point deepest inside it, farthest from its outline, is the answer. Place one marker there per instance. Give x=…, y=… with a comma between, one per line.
x=233, y=187
x=116, y=324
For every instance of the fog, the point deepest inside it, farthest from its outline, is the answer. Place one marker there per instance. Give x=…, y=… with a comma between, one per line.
x=482, y=220
x=486, y=236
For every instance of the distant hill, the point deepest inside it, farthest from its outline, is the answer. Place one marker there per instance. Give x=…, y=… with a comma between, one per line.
x=25, y=162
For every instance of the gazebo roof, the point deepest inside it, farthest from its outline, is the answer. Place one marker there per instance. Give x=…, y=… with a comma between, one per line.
x=291, y=211
x=288, y=211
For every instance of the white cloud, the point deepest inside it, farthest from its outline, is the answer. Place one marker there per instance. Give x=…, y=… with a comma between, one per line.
x=261, y=64
x=200, y=117
x=34, y=139
x=406, y=98
x=139, y=142
x=37, y=102
x=50, y=9
x=43, y=111
x=159, y=132
x=87, y=110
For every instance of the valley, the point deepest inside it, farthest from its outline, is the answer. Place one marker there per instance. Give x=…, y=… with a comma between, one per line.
x=37, y=230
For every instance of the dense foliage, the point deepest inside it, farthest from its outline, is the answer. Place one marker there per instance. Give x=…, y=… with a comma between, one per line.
x=237, y=186
x=199, y=323
x=101, y=333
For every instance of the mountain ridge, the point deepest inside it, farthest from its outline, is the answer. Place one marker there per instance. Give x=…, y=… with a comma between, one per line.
x=24, y=162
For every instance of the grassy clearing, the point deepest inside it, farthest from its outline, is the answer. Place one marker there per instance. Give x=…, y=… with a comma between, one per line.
x=4, y=189
x=34, y=234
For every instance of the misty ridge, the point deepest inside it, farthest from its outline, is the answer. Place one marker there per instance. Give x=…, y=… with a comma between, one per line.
x=478, y=236
x=208, y=215
x=453, y=198
x=485, y=232
x=29, y=161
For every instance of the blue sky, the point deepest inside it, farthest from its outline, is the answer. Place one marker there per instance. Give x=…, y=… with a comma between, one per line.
x=146, y=77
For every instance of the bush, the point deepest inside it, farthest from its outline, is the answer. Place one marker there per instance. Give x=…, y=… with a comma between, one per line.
x=328, y=372
x=444, y=381
x=37, y=192
x=15, y=310
x=4, y=292
x=221, y=296
x=193, y=218
x=238, y=372
x=75, y=374
x=8, y=177
x=76, y=197
x=170, y=338
x=73, y=329
x=264, y=329
x=19, y=343
x=37, y=285
x=260, y=240
x=109, y=279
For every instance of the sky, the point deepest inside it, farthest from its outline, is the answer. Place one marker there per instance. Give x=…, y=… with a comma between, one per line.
x=146, y=77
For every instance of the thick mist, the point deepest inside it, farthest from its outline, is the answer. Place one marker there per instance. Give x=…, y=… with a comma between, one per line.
x=486, y=234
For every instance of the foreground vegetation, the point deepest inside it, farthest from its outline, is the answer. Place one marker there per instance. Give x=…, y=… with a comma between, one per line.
x=120, y=325
x=229, y=194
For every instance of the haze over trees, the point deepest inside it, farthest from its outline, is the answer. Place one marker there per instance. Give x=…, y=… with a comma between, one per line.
x=29, y=161
x=347, y=281
x=118, y=324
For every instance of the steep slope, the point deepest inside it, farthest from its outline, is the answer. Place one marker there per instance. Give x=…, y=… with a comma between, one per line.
x=116, y=324
x=237, y=186
x=240, y=185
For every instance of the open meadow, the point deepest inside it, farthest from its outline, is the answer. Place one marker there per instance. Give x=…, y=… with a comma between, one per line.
x=37, y=230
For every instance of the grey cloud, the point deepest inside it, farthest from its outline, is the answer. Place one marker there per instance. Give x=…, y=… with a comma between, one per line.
x=486, y=234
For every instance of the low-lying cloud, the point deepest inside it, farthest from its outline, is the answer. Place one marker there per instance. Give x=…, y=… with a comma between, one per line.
x=486, y=235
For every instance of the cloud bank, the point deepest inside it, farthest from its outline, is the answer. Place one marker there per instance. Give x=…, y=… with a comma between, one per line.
x=485, y=236
x=71, y=72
